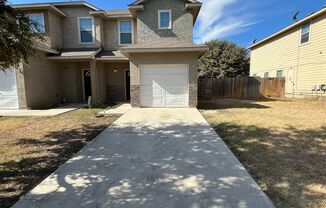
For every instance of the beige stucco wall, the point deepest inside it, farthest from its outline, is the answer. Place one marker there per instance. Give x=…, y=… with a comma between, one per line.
x=116, y=80
x=71, y=84
x=302, y=65
x=47, y=35
x=55, y=30
x=111, y=33
x=147, y=21
x=41, y=80
x=163, y=58
x=70, y=37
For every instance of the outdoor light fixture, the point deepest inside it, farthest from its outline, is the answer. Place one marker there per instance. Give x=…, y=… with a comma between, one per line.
x=114, y=69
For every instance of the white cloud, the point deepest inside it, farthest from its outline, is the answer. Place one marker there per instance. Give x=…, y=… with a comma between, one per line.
x=222, y=18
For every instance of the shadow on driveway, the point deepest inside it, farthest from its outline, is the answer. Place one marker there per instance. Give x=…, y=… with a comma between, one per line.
x=151, y=158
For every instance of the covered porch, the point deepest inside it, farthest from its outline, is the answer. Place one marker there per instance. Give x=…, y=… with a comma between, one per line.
x=105, y=78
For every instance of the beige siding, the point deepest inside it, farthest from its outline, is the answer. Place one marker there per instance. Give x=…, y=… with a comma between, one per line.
x=303, y=65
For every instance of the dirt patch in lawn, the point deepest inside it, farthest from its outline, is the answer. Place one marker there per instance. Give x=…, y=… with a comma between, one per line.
x=282, y=143
x=33, y=148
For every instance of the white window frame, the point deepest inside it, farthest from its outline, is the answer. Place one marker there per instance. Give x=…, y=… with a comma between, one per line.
x=305, y=33
x=132, y=31
x=159, y=20
x=93, y=30
x=39, y=14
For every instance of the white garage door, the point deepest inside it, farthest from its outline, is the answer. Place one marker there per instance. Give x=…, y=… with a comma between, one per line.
x=8, y=90
x=164, y=86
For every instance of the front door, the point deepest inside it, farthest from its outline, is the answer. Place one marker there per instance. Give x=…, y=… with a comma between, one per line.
x=127, y=76
x=87, y=84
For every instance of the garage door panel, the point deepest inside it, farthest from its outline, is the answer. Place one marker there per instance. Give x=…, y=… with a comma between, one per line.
x=176, y=91
x=8, y=90
x=175, y=101
x=151, y=93
x=149, y=102
x=164, y=86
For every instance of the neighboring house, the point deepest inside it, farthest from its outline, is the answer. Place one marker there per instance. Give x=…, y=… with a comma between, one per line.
x=144, y=54
x=297, y=53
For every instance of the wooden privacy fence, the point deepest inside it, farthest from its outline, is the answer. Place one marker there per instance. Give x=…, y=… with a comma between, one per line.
x=241, y=87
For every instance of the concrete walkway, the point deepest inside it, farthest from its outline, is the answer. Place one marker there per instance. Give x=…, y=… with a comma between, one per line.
x=155, y=158
x=48, y=112
x=119, y=109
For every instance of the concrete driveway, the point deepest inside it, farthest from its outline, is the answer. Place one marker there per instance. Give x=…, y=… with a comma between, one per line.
x=151, y=158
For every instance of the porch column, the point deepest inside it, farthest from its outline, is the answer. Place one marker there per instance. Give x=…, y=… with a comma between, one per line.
x=20, y=79
x=94, y=81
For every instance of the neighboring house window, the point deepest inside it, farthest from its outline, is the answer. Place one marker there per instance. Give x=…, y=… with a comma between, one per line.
x=254, y=75
x=86, y=29
x=125, y=32
x=165, y=19
x=305, y=33
x=266, y=75
x=38, y=19
x=279, y=73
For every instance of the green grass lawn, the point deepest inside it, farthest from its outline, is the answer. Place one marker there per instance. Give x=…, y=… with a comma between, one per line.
x=32, y=148
x=282, y=143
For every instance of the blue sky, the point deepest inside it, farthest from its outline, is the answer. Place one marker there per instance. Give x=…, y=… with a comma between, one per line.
x=239, y=21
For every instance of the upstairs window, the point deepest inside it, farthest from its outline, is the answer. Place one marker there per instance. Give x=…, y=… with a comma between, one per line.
x=305, y=33
x=125, y=32
x=279, y=73
x=86, y=29
x=266, y=75
x=164, y=19
x=38, y=20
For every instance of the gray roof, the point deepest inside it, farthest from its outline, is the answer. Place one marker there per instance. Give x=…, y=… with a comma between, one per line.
x=165, y=44
x=75, y=54
x=67, y=3
x=113, y=55
x=142, y=1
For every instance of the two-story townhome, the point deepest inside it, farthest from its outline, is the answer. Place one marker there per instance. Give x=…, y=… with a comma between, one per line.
x=297, y=53
x=144, y=54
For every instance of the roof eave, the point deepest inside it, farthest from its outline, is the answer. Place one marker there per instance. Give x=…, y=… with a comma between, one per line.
x=135, y=8
x=69, y=58
x=103, y=14
x=39, y=6
x=48, y=50
x=99, y=13
x=76, y=4
x=195, y=8
x=179, y=49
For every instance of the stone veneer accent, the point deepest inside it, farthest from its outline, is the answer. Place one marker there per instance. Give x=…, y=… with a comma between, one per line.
x=135, y=95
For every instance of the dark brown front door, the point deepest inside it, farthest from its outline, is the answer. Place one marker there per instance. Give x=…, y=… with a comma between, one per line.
x=127, y=75
x=87, y=84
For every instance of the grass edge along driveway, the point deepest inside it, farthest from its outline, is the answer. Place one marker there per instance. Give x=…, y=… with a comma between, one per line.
x=31, y=148
x=282, y=143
